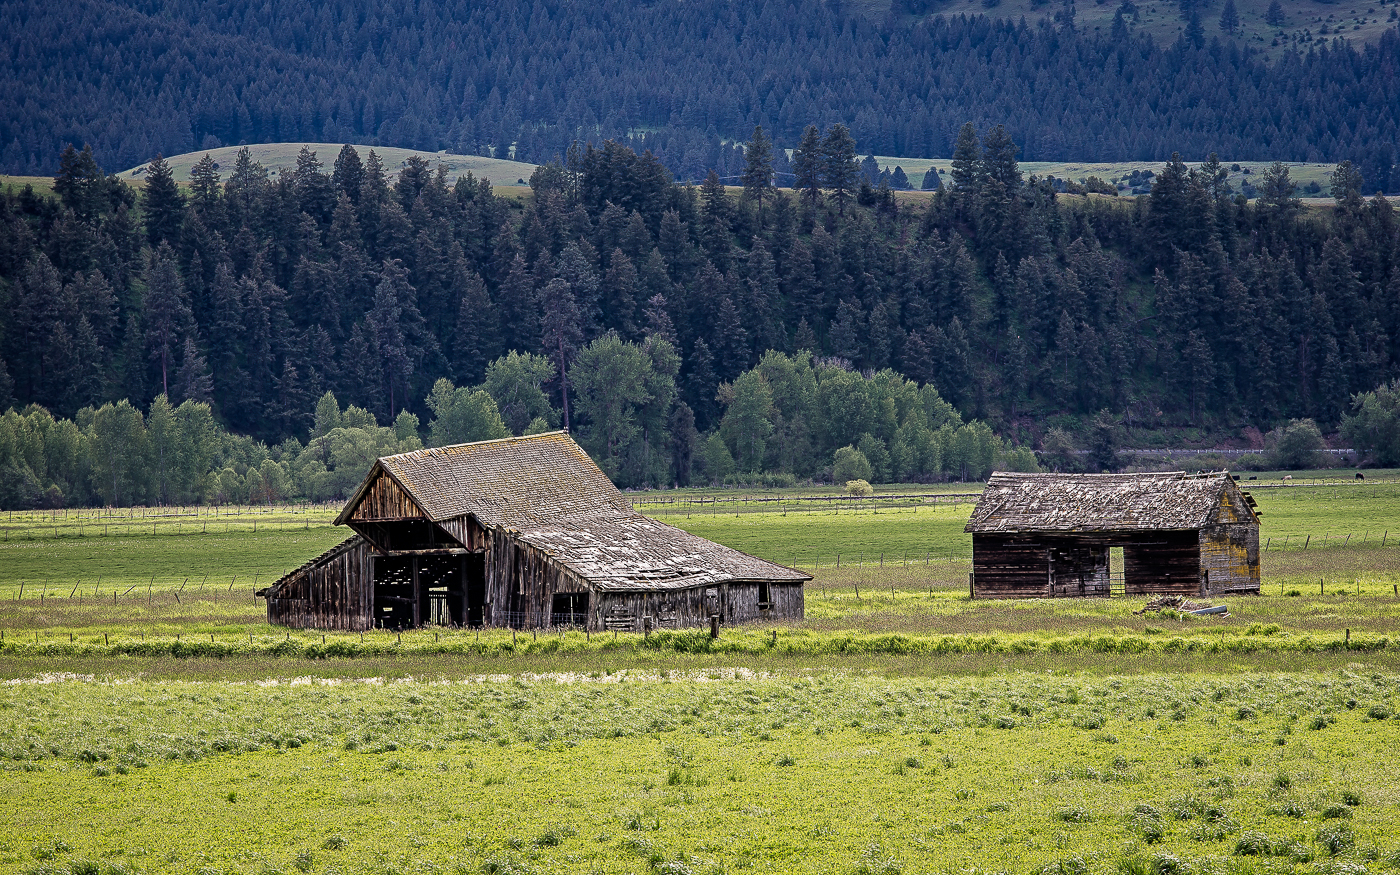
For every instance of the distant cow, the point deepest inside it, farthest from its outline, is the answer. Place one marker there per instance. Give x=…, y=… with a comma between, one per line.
x=1253, y=478
x=1288, y=478
x=1360, y=476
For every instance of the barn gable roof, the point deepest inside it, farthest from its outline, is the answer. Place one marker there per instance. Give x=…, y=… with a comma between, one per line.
x=548, y=492
x=1099, y=502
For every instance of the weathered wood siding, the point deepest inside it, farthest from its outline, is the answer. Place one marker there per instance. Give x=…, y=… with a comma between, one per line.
x=1162, y=563
x=521, y=581
x=1010, y=567
x=384, y=500
x=735, y=602
x=1078, y=568
x=1031, y=566
x=467, y=531
x=1229, y=559
x=335, y=594
x=789, y=601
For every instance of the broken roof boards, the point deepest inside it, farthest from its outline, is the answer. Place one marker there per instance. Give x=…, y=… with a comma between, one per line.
x=1039, y=535
x=527, y=532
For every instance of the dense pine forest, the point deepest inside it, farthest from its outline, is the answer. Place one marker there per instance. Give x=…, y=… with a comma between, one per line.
x=686, y=334
x=683, y=80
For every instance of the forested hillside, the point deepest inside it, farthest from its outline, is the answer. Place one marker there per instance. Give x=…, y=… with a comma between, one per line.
x=675, y=328
x=137, y=77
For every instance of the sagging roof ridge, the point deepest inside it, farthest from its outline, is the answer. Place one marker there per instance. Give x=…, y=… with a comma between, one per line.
x=548, y=493
x=1168, y=500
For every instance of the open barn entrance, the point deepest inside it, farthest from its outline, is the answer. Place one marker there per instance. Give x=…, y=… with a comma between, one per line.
x=436, y=590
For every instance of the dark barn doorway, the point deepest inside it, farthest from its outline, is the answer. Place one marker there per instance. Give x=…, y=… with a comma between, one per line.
x=441, y=590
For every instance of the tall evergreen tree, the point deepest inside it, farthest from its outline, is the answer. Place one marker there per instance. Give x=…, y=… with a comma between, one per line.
x=1229, y=18
x=167, y=313
x=758, y=169
x=967, y=166
x=807, y=166
x=838, y=168
x=561, y=333
x=163, y=204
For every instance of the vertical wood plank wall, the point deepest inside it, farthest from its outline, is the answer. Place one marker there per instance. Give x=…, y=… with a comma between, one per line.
x=384, y=500
x=1230, y=556
x=336, y=594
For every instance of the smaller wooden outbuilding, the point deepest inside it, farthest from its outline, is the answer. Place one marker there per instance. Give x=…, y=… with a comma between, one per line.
x=1050, y=535
x=523, y=533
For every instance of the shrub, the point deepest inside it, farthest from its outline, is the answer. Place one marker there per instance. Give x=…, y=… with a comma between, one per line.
x=1351, y=797
x=1297, y=445
x=333, y=842
x=1253, y=844
x=859, y=488
x=1336, y=812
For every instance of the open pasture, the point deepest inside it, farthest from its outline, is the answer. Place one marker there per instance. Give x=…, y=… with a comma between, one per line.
x=704, y=772
x=900, y=728
x=283, y=156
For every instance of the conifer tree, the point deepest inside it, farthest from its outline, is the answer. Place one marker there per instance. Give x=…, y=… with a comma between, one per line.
x=167, y=313
x=807, y=167
x=1229, y=18
x=349, y=173
x=758, y=169
x=561, y=333
x=838, y=167
x=163, y=204
x=966, y=170
x=79, y=183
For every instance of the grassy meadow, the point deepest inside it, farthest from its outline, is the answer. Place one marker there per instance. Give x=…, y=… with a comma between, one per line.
x=283, y=156
x=152, y=721
x=705, y=772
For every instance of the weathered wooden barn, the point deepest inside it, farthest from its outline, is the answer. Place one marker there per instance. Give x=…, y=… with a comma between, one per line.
x=1051, y=535
x=522, y=533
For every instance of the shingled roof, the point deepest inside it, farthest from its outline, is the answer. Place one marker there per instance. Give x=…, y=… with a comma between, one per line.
x=548, y=492
x=1097, y=502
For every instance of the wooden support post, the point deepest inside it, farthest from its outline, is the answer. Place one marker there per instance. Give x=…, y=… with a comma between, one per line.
x=714, y=625
x=417, y=597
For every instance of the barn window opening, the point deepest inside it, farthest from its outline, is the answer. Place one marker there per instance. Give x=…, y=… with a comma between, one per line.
x=765, y=601
x=1116, y=578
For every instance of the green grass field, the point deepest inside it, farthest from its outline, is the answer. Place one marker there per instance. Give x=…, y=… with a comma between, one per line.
x=900, y=728
x=708, y=772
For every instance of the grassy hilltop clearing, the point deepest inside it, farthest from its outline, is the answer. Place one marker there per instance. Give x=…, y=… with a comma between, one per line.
x=899, y=728
x=283, y=156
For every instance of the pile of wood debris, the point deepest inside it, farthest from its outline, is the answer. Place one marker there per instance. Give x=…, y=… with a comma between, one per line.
x=1174, y=603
